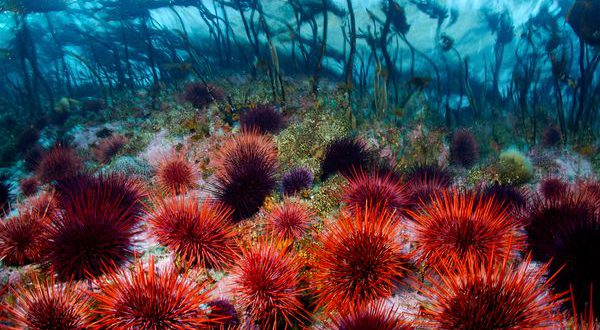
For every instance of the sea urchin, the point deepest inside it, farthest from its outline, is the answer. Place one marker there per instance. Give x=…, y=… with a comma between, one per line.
x=200, y=234
x=146, y=299
x=458, y=225
x=491, y=295
x=246, y=169
x=358, y=260
x=267, y=285
x=94, y=230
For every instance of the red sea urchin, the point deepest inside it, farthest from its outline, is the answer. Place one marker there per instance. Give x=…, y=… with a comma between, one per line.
x=267, y=285
x=200, y=234
x=22, y=238
x=566, y=233
x=109, y=147
x=553, y=188
x=94, y=230
x=29, y=186
x=289, y=220
x=58, y=163
x=460, y=225
x=358, y=260
x=373, y=316
x=143, y=298
x=50, y=306
x=490, y=295
x=376, y=190
x=246, y=169
x=201, y=95
x=175, y=175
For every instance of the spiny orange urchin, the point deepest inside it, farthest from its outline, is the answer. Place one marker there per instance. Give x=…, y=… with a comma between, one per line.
x=267, y=285
x=201, y=234
x=358, y=260
x=22, y=238
x=175, y=175
x=289, y=220
x=376, y=190
x=246, y=170
x=490, y=295
x=458, y=225
x=143, y=298
x=373, y=316
x=47, y=305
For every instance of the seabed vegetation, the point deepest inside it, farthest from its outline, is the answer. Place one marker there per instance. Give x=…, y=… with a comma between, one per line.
x=315, y=172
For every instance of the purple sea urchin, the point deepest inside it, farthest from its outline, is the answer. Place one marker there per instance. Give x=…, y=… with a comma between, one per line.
x=93, y=232
x=246, y=169
x=345, y=154
x=463, y=148
x=566, y=232
x=201, y=95
x=296, y=180
x=263, y=118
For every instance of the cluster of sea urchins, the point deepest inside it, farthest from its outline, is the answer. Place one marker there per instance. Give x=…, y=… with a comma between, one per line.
x=465, y=254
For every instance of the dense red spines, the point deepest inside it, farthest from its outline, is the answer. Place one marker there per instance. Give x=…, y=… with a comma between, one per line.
x=200, y=234
x=377, y=191
x=373, y=316
x=93, y=231
x=246, y=169
x=22, y=238
x=357, y=260
x=175, y=175
x=109, y=147
x=267, y=286
x=42, y=204
x=47, y=305
x=143, y=298
x=289, y=220
x=58, y=163
x=458, y=225
x=490, y=295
